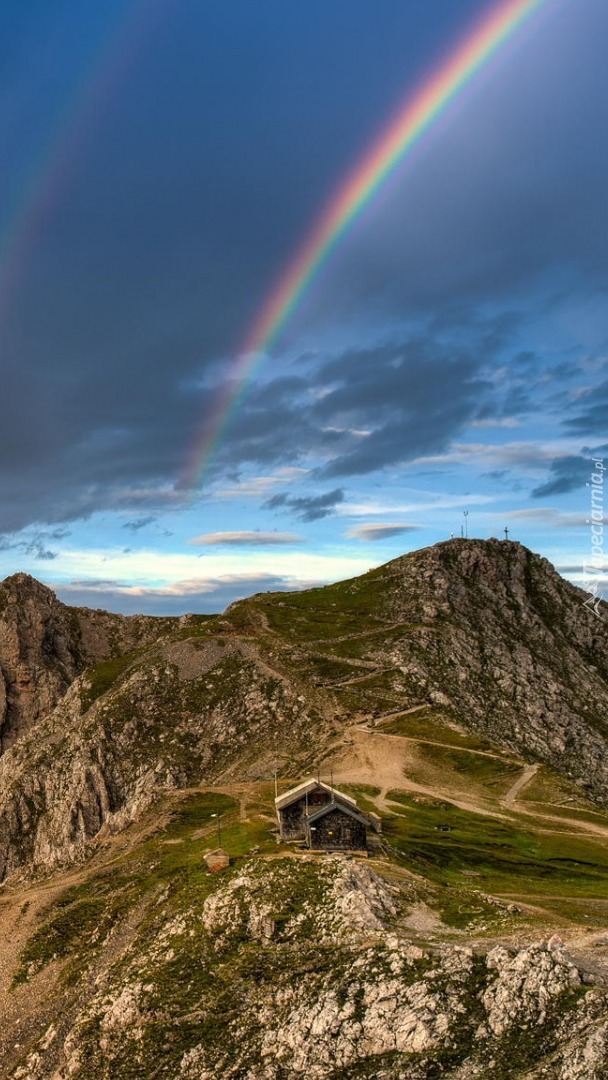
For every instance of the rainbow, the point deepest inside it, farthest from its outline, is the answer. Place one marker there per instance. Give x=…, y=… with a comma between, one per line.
x=48, y=174
x=413, y=119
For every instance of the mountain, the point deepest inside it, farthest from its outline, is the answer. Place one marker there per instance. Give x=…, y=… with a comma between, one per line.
x=44, y=645
x=460, y=691
x=483, y=633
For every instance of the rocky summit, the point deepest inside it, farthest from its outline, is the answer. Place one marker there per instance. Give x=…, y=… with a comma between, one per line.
x=154, y=923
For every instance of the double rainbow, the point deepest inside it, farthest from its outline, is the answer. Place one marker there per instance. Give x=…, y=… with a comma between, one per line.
x=413, y=119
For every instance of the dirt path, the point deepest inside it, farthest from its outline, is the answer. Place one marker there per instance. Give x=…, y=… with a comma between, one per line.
x=400, y=712
x=434, y=742
x=374, y=758
x=356, y=679
x=382, y=629
x=368, y=665
x=528, y=772
x=381, y=759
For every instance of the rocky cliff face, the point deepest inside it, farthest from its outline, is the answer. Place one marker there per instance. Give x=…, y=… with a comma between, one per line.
x=44, y=645
x=183, y=713
x=485, y=630
x=512, y=648
x=126, y=740
x=297, y=967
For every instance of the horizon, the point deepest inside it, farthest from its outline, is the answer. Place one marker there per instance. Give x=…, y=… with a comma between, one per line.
x=439, y=363
x=183, y=612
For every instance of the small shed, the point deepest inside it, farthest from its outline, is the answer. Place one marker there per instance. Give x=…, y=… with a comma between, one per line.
x=295, y=806
x=217, y=860
x=337, y=827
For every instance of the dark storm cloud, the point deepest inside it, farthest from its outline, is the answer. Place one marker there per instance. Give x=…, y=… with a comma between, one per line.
x=307, y=507
x=593, y=417
x=35, y=544
x=140, y=523
x=565, y=474
x=34, y=548
x=112, y=448
x=161, y=246
x=378, y=407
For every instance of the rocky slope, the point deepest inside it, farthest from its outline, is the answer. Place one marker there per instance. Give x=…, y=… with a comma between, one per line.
x=124, y=739
x=281, y=968
x=483, y=631
x=183, y=713
x=44, y=645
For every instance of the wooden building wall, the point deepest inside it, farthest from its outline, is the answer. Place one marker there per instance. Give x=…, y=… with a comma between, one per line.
x=293, y=817
x=338, y=830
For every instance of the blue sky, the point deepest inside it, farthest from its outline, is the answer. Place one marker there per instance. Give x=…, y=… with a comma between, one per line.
x=165, y=159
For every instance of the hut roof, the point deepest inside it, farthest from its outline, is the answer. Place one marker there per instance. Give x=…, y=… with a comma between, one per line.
x=305, y=788
x=352, y=812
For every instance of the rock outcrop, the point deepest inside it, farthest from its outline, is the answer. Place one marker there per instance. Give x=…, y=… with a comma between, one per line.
x=334, y=991
x=44, y=645
x=486, y=631
x=184, y=713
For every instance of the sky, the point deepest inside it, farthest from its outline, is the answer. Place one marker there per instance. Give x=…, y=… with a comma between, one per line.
x=162, y=162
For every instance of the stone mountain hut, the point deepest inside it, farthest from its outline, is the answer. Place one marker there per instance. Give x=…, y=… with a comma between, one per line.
x=324, y=818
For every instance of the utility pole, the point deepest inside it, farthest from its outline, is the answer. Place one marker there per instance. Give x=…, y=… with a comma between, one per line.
x=219, y=828
x=466, y=524
x=276, y=783
x=506, y=531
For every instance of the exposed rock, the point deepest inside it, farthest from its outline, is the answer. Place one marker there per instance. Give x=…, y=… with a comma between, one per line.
x=380, y=1008
x=93, y=768
x=44, y=645
x=283, y=967
x=484, y=625
x=526, y=985
x=486, y=630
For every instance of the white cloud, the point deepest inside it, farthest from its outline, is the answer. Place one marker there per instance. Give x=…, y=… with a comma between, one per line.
x=544, y=515
x=530, y=457
x=441, y=501
x=380, y=530
x=257, y=487
x=495, y=422
x=253, y=538
x=147, y=569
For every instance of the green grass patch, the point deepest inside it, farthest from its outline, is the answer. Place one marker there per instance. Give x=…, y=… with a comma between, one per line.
x=75, y=928
x=433, y=724
x=362, y=793
x=478, y=768
x=440, y=840
x=101, y=677
x=301, y=625
x=547, y=787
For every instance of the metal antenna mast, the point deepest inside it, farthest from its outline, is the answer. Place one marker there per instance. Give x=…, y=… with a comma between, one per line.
x=466, y=524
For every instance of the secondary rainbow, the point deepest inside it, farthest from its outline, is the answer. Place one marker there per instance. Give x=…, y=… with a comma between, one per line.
x=413, y=119
x=47, y=177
